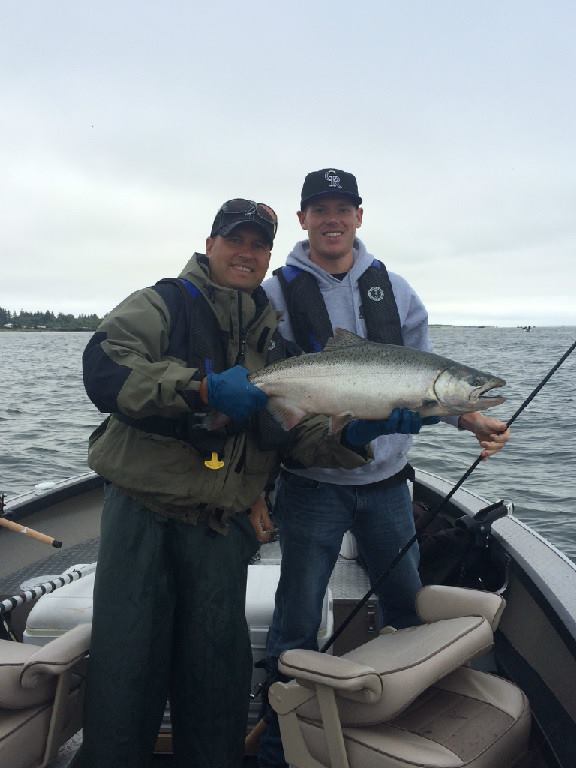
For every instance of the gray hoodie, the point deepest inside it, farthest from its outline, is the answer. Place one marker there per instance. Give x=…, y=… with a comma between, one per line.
x=342, y=298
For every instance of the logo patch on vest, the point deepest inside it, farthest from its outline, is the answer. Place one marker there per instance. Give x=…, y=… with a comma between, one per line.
x=333, y=179
x=375, y=293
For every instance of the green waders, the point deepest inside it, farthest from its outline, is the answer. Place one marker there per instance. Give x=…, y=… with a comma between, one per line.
x=169, y=620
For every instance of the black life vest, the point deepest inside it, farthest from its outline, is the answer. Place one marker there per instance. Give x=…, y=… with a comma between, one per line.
x=309, y=317
x=198, y=338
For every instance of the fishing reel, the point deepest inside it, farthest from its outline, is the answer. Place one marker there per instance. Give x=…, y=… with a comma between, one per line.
x=480, y=524
x=479, y=568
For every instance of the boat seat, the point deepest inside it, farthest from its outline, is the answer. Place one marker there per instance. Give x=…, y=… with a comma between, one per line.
x=41, y=697
x=406, y=699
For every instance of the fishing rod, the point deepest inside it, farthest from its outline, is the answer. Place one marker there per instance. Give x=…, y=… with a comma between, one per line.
x=384, y=575
x=11, y=525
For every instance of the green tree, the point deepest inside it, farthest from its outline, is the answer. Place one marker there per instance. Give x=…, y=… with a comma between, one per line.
x=48, y=320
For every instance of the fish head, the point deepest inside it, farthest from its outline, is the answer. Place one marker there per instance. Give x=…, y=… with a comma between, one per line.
x=460, y=389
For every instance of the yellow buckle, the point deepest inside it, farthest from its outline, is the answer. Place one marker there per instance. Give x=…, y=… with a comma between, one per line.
x=214, y=462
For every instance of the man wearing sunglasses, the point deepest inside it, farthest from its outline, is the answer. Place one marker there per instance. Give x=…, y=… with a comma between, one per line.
x=331, y=281
x=176, y=537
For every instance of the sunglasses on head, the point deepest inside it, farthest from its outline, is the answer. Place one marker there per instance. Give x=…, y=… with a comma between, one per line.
x=250, y=208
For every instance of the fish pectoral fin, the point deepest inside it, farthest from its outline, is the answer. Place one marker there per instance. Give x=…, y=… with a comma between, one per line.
x=285, y=412
x=337, y=423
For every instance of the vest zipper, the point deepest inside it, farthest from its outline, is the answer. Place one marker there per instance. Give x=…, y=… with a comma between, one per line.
x=240, y=357
x=242, y=334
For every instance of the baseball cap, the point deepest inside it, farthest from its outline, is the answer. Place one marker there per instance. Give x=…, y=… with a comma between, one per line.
x=240, y=211
x=329, y=181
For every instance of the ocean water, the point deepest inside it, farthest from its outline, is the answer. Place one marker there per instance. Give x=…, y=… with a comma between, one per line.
x=46, y=418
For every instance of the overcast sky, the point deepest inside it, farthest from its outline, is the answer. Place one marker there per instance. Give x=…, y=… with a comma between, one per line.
x=124, y=125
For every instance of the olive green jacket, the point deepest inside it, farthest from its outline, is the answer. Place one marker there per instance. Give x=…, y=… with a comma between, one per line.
x=128, y=370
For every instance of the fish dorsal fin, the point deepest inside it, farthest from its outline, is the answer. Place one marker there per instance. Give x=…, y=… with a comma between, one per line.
x=343, y=338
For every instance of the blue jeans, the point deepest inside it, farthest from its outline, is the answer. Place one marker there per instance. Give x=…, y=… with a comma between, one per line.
x=312, y=518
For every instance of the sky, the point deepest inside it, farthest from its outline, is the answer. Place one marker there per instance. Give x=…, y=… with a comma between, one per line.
x=125, y=125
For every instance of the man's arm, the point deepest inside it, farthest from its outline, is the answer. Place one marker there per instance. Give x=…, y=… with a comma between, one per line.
x=313, y=445
x=124, y=363
x=413, y=314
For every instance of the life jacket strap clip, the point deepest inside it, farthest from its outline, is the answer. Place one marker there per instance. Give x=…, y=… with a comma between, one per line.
x=214, y=462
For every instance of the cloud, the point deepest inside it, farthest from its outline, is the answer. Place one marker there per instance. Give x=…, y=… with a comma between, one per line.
x=124, y=127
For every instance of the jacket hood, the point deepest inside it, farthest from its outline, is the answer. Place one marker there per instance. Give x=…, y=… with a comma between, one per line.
x=300, y=257
x=197, y=271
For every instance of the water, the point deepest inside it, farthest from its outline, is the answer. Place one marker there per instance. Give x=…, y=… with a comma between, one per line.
x=45, y=414
x=537, y=469
x=46, y=417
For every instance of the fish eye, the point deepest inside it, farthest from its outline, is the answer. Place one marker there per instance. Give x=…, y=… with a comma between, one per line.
x=475, y=381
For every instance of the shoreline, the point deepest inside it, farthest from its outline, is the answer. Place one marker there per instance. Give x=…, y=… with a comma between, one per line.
x=47, y=330
x=430, y=325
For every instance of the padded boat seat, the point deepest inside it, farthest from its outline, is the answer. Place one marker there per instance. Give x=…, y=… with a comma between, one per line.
x=406, y=698
x=41, y=691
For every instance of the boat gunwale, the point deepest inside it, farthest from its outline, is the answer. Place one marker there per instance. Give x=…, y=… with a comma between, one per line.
x=548, y=570
x=43, y=498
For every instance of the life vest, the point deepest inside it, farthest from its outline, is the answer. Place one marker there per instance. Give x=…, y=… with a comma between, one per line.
x=198, y=338
x=309, y=317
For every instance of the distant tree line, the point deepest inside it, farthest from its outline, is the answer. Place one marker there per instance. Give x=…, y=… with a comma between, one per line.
x=47, y=321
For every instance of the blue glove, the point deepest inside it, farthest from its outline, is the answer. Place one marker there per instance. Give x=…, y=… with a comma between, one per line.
x=231, y=393
x=401, y=421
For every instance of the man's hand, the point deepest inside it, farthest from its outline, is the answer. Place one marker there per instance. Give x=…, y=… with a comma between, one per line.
x=491, y=433
x=261, y=522
x=231, y=393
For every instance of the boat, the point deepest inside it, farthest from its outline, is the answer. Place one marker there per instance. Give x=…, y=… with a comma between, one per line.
x=534, y=643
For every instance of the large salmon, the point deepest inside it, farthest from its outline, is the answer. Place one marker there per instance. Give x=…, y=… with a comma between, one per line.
x=356, y=378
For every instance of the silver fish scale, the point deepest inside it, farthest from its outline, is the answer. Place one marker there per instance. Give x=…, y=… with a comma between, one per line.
x=361, y=354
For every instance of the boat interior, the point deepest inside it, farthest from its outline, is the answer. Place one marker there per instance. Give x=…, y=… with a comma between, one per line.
x=408, y=697
x=486, y=680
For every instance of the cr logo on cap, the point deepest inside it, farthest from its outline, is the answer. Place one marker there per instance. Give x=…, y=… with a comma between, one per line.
x=332, y=179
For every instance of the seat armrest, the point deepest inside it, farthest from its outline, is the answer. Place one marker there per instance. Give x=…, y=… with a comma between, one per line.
x=349, y=679
x=436, y=602
x=57, y=656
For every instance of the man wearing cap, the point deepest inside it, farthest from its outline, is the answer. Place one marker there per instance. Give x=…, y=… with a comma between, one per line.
x=331, y=281
x=176, y=538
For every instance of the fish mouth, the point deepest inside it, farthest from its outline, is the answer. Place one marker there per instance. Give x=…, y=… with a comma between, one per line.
x=482, y=395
